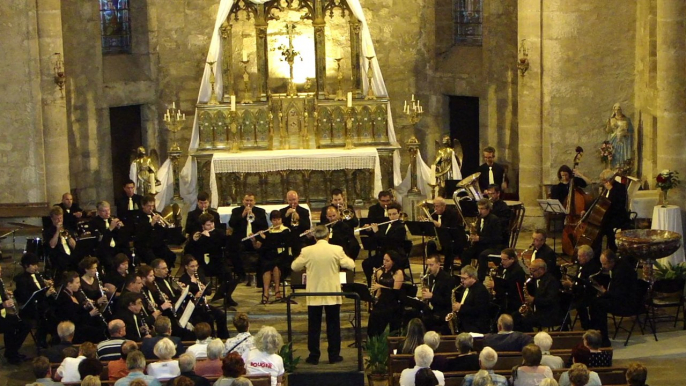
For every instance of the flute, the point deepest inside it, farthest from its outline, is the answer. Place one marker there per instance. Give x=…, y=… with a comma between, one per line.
x=370, y=225
x=310, y=231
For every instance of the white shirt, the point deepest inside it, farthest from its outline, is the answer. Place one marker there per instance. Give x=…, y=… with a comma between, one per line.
x=262, y=363
x=243, y=348
x=164, y=370
x=199, y=349
x=407, y=376
x=69, y=369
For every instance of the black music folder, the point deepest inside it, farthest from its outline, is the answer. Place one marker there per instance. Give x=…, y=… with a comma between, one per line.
x=33, y=295
x=421, y=228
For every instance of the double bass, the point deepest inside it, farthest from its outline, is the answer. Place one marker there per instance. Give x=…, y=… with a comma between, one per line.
x=575, y=204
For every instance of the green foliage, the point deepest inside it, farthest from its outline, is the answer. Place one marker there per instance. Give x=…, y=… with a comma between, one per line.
x=377, y=352
x=286, y=353
x=668, y=271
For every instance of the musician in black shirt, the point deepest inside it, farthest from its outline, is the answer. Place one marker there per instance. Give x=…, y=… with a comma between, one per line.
x=388, y=237
x=194, y=278
x=379, y=211
x=11, y=325
x=274, y=255
x=295, y=212
x=193, y=222
x=114, y=280
x=151, y=233
x=60, y=243
x=338, y=202
x=341, y=234
x=38, y=309
x=564, y=174
x=581, y=287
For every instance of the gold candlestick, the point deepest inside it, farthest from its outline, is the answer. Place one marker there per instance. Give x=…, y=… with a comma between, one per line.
x=349, y=129
x=340, y=95
x=370, y=75
x=247, y=97
x=213, y=96
x=413, y=110
x=174, y=120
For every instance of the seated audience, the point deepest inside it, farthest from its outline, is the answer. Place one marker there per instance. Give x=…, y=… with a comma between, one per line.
x=530, y=372
x=425, y=377
x=242, y=381
x=181, y=381
x=594, y=340
x=482, y=378
x=69, y=368
x=187, y=366
x=163, y=329
x=579, y=375
x=203, y=337
x=544, y=341
x=468, y=359
x=91, y=380
x=233, y=367
x=165, y=367
x=506, y=339
x=548, y=382
x=414, y=336
x=433, y=340
x=65, y=330
x=90, y=366
x=41, y=370
x=110, y=349
x=212, y=366
x=636, y=374
x=135, y=363
x=117, y=369
x=243, y=342
x=487, y=360
x=263, y=359
x=423, y=356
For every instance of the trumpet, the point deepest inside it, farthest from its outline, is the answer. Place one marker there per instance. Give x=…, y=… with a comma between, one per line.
x=250, y=217
x=346, y=213
x=162, y=221
x=295, y=218
x=370, y=225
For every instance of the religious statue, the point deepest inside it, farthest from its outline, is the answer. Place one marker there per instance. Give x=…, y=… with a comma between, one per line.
x=446, y=166
x=143, y=172
x=621, y=136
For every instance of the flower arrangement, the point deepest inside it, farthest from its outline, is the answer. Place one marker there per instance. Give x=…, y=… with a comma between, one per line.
x=666, y=180
x=606, y=152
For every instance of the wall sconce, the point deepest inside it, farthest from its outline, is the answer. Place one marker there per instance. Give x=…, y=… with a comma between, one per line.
x=60, y=77
x=523, y=62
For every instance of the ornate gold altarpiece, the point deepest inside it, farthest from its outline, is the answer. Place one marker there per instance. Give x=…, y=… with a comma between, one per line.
x=291, y=119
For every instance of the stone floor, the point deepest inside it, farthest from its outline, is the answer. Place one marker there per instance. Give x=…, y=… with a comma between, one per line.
x=665, y=359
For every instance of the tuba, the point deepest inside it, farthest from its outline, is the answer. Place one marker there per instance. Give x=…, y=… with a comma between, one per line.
x=470, y=185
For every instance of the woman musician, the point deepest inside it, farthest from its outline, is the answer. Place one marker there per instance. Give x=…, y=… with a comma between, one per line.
x=387, y=309
x=565, y=174
x=116, y=278
x=73, y=306
x=274, y=254
x=195, y=279
x=390, y=236
x=91, y=284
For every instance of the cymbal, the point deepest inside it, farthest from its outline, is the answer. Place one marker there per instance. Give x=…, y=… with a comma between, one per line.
x=26, y=226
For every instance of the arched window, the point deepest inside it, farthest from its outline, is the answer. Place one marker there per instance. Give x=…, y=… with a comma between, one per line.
x=115, y=26
x=468, y=18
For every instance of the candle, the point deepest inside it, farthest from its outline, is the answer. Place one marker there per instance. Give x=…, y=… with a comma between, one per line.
x=173, y=105
x=412, y=97
x=350, y=99
x=184, y=117
x=405, y=106
x=245, y=56
x=233, y=103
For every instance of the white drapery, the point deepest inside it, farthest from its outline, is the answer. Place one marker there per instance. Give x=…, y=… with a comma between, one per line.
x=166, y=191
x=424, y=177
x=189, y=173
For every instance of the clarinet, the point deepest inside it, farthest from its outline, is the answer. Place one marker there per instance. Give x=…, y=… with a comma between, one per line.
x=144, y=329
x=102, y=292
x=10, y=297
x=202, y=288
x=92, y=306
x=40, y=277
x=165, y=298
x=151, y=304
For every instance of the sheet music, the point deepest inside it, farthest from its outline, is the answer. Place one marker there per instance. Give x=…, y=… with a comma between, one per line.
x=552, y=206
x=186, y=316
x=179, y=302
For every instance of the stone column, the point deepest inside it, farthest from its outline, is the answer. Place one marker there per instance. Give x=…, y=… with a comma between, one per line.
x=530, y=100
x=261, y=54
x=53, y=101
x=671, y=90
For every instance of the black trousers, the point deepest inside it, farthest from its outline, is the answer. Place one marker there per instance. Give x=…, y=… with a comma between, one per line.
x=382, y=316
x=213, y=315
x=370, y=264
x=15, y=333
x=333, y=330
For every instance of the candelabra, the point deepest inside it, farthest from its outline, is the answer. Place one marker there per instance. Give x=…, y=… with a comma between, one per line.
x=340, y=96
x=413, y=110
x=213, y=96
x=174, y=120
x=370, y=75
x=247, y=98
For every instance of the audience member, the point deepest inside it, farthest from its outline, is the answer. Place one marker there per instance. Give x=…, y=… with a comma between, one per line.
x=242, y=381
x=636, y=374
x=68, y=371
x=423, y=356
x=579, y=375
x=482, y=378
x=263, y=359
x=203, y=337
x=530, y=372
x=65, y=330
x=90, y=366
x=135, y=363
x=233, y=367
x=181, y=381
x=433, y=340
x=165, y=367
x=41, y=370
x=425, y=377
x=544, y=341
x=163, y=329
x=212, y=366
x=243, y=342
x=467, y=360
x=117, y=369
x=110, y=349
x=548, y=382
x=506, y=339
x=414, y=336
x=593, y=339
x=487, y=360
x=91, y=380
x=187, y=366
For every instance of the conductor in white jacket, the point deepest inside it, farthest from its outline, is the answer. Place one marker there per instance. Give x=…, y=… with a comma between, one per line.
x=322, y=263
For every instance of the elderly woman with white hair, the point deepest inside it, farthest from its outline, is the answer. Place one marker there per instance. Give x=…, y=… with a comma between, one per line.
x=212, y=366
x=544, y=341
x=423, y=356
x=468, y=359
x=165, y=367
x=263, y=359
x=433, y=340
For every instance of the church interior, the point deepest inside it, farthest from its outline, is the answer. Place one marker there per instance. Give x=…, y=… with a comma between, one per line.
x=356, y=94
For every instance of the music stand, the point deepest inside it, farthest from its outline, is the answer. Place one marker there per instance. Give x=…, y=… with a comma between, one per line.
x=554, y=207
x=424, y=229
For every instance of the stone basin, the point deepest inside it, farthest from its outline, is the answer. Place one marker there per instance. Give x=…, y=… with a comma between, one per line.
x=645, y=244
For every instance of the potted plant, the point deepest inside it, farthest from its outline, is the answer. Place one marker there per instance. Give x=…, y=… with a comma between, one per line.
x=668, y=271
x=376, y=363
x=289, y=363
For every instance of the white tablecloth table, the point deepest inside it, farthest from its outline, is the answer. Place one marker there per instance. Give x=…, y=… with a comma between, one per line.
x=225, y=211
x=669, y=218
x=643, y=203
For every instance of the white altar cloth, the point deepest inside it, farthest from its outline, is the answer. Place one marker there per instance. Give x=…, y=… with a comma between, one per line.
x=669, y=219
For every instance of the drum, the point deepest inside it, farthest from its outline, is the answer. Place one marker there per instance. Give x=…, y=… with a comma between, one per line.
x=34, y=245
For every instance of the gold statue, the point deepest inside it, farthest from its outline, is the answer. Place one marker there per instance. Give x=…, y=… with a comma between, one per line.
x=143, y=172
x=446, y=165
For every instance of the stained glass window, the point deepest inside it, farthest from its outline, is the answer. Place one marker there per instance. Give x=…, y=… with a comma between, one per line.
x=115, y=26
x=468, y=16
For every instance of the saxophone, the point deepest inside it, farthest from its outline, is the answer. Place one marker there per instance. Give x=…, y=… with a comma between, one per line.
x=374, y=281
x=451, y=318
x=525, y=309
